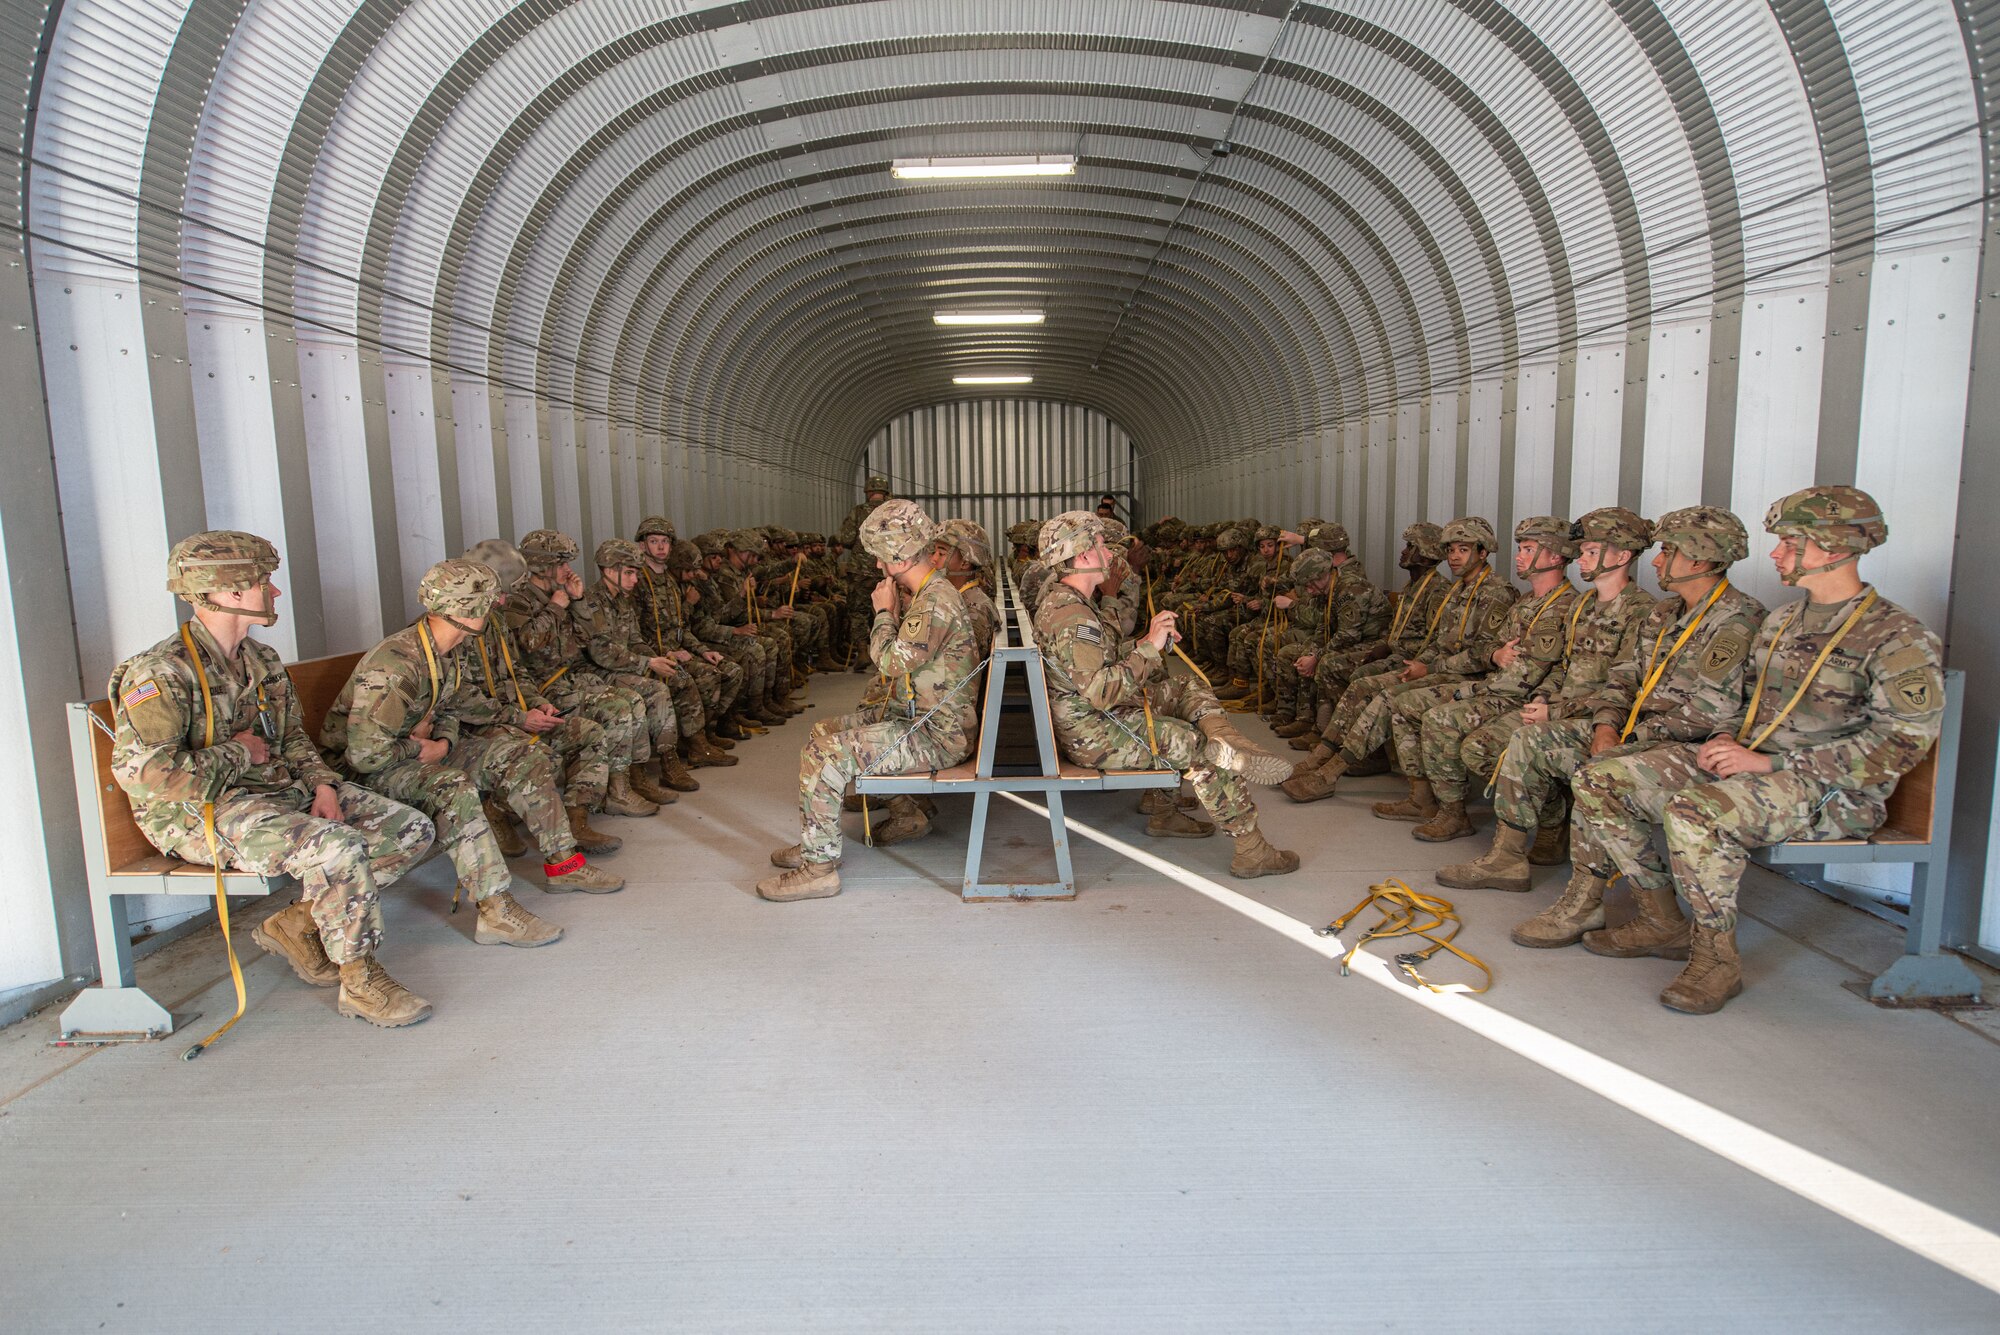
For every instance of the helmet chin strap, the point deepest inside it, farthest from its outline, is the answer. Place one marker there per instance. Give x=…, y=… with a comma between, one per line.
x=1592, y=576
x=1670, y=580
x=266, y=616
x=469, y=630
x=1790, y=578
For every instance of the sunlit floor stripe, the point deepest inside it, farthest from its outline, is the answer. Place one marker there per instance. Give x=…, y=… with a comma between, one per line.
x=1954, y=1243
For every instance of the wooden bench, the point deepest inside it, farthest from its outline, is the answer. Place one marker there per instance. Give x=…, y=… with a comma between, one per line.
x=1916, y=833
x=984, y=775
x=120, y=863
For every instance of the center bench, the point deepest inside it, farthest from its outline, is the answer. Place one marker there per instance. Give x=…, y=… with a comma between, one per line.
x=981, y=777
x=119, y=863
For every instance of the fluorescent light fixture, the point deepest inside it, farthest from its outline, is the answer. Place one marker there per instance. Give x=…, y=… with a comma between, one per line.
x=992, y=380
x=987, y=317
x=932, y=169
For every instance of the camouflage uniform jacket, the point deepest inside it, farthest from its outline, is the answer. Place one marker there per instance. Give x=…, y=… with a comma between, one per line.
x=985, y=617
x=392, y=691
x=926, y=658
x=850, y=527
x=502, y=673
x=728, y=607
x=1869, y=715
x=609, y=625
x=663, y=621
x=1538, y=626
x=1465, y=631
x=1360, y=611
x=545, y=636
x=1700, y=690
x=1088, y=676
x=1416, y=608
x=1600, y=634
x=158, y=755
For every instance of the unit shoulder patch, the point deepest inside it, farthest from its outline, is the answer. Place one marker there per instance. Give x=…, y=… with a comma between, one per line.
x=1721, y=655
x=1914, y=693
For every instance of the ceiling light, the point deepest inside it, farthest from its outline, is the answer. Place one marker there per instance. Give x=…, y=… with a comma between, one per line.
x=992, y=380
x=987, y=317
x=1039, y=164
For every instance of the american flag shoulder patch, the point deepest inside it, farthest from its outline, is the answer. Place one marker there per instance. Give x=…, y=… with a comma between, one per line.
x=148, y=689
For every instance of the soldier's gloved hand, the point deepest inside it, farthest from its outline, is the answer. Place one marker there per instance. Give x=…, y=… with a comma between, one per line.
x=260, y=750
x=326, y=803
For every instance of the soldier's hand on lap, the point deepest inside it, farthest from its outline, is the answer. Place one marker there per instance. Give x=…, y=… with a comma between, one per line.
x=1535, y=711
x=541, y=720
x=326, y=803
x=260, y=750
x=1284, y=601
x=1413, y=670
x=1725, y=757
x=431, y=752
x=712, y=655
x=1602, y=738
x=1307, y=664
x=1504, y=656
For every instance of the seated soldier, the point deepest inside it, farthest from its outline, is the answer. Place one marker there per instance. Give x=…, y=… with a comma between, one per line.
x=1127, y=713
x=710, y=612
x=663, y=626
x=1336, y=612
x=1249, y=643
x=211, y=752
x=399, y=726
x=1457, y=647
x=1848, y=697
x=608, y=621
x=1676, y=675
x=962, y=547
x=927, y=723
x=1416, y=609
x=592, y=756
x=1430, y=728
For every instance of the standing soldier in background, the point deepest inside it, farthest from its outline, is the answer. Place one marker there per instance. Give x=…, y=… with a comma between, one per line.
x=591, y=758
x=663, y=626
x=927, y=656
x=608, y=621
x=1124, y=712
x=1824, y=739
x=399, y=725
x=209, y=748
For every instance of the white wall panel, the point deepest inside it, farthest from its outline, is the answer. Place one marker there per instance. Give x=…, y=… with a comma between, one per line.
x=1597, y=431
x=1676, y=414
x=337, y=452
x=1535, y=442
x=1482, y=455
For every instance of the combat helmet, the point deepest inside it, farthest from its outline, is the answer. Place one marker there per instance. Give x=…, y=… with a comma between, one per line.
x=1837, y=519
x=656, y=526
x=1314, y=564
x=1703, y=533
x=223, y=561
x=1549, y=532
x=1614, y=526
x=504, y=559
x=876, y=482
x=710, y=544
x=1473, y=529
x=1326, y=537
x=1426, y=539
x=459, y=588
x=970, y=540
x=1231, y=538
x=618, y=554
x=1068, y=536
x=898, y=531
x=545, y=549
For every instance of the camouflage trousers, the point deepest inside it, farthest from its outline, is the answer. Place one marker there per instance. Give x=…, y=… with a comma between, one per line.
x=1711, y=824
x=808, y=632
x=502, y=763
x=1255, y=641
x=720, y=684
x=1459, y=732
x=837, y=752
x=1118, y=739
x=1361, y=721
x=1284, y=684
x=753, y=659
x=341, y=867
x=1212, y=632
x=619, y=712
x=860, y=618
x=1335, y=672
x=1536, y=772
x=663, y=724
x=583, y=759
x=778, y=644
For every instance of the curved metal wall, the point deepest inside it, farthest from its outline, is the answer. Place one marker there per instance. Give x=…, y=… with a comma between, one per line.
x=381, y=277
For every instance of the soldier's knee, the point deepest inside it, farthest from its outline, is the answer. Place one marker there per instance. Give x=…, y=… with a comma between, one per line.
x=1694, y=814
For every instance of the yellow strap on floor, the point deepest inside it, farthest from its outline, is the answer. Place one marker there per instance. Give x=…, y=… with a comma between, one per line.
x=1407, y=912
x=229, y=946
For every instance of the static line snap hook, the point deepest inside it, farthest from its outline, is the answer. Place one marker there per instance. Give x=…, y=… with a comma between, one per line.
x=1327, y=930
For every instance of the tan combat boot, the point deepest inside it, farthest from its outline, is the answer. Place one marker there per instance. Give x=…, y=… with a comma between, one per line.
x=1579, y=909
x=1551, y=846
x=1419, y=805
x=674, y=773
x=512, y=845
x=1505, y=866
x=1235, y=690
x=1254, y=856
x=1659, y=930
x=1369, y=766
x=1315, y=784
x=906, y=821
x=367, y=992
x=1450, y=822
x=621, y=800
x=503, y=922
x=808, y=880
x=575, y=873
x=1230, y=750
x=1173, y=823
x=647, y=785
x=792, y=857
x=1297, y=727
x=704, y=747
x=1306, y=739
x=1713, y=975
x=290, y=932
x=1321, y=753
x=1155, y=802
x=588, y=837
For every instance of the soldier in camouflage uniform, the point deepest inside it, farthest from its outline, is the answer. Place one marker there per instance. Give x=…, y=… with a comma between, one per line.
x=963, y=552
x=1457, y=646
x=607, y=620
x=205, y=722
x=927, y=723
x=1125, y=712
x=1217, y=611
x=1437, y=737
x=1335, y=614
x=862, y=575
x=591, y=757
x=1119, y=596
x=774, y=577
x=736, y=593
x=1681, y=681
x=663, y=627
x=1416, y=610
x=1247, y=655
x=737, y=640
x=399, y=725
x=1847, y=697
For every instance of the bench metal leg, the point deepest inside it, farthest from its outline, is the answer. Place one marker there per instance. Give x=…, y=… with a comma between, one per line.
x=118, y=1009
x=1925, y=973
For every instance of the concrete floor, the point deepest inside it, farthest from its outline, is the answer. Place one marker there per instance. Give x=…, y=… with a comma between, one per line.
x=892, y=1111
